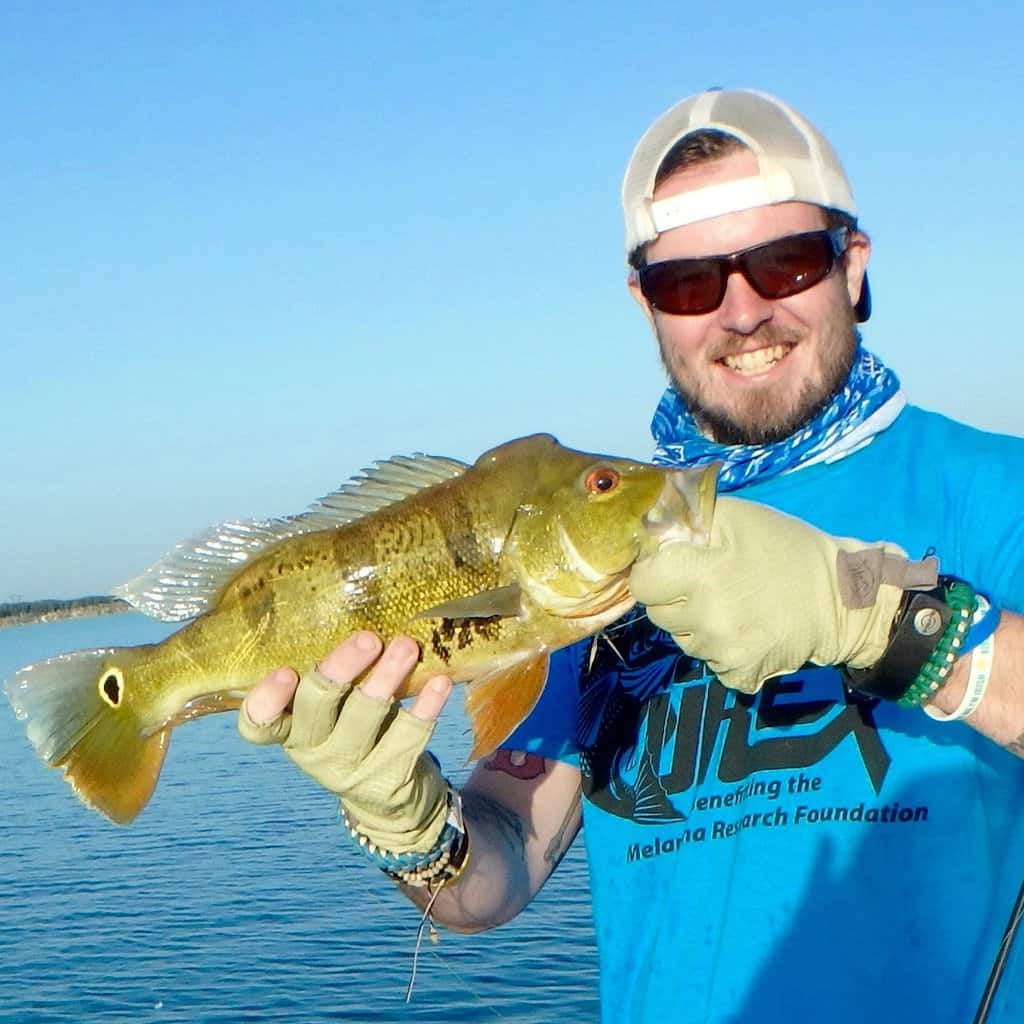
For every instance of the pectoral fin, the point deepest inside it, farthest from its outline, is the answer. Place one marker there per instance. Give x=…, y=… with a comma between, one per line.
x=505, y=602
x=497, y=703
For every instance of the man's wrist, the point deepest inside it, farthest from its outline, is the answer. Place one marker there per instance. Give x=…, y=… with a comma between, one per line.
x=441, y=863
x=926, y=638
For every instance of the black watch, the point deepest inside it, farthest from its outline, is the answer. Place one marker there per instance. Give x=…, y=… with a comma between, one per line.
x=916, y=632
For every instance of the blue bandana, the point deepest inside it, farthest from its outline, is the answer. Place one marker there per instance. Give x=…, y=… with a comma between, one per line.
x=869, y=401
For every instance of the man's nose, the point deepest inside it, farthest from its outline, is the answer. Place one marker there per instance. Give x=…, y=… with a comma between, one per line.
x=742, y=309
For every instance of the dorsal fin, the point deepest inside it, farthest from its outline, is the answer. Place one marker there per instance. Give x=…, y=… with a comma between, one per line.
x=378, y=486
x=188, y=580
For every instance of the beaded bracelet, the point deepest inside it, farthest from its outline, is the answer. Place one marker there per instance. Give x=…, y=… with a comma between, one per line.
x=933, y=674
x=438, y=866
x=981, y=658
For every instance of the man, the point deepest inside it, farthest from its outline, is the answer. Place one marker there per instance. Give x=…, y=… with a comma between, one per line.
x=768, y=839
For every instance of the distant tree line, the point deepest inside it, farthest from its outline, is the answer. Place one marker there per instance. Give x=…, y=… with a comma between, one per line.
x=20, y=613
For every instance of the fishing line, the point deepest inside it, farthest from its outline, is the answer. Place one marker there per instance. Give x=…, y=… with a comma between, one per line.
x=999, y=964
x=618, y=653
x=698, y=777
x=469, y=988
x=425, y=922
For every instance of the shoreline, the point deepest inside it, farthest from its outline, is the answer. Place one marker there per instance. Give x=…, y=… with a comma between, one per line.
x=25, y=613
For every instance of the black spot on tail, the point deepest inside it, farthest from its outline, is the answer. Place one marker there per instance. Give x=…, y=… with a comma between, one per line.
x=112, y=689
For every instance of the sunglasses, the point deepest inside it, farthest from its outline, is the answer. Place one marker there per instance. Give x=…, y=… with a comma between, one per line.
x=775, y=270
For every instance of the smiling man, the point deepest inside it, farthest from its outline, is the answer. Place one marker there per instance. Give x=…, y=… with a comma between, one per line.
x=799, y=764
x=752, y=365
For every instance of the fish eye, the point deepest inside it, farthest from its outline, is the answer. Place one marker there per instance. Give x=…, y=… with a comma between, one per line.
x=601, y=481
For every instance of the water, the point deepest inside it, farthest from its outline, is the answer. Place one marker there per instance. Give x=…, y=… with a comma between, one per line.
x=236, y=897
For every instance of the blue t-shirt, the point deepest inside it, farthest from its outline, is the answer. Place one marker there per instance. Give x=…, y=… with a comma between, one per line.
x=804, y=855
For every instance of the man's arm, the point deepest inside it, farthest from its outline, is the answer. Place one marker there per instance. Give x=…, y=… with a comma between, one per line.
x=1000, y=715
x=771, y=593
x=521, y=812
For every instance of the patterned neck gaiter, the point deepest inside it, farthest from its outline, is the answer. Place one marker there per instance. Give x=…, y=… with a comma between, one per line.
x=868, y=402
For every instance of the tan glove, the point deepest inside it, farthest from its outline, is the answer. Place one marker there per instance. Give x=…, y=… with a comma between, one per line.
x=371, y=752
x=771, y=593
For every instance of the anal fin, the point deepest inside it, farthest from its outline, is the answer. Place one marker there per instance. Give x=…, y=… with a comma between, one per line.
x=115, y=769
x=498, y=702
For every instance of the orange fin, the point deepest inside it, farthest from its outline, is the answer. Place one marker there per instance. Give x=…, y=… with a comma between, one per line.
x=498, y=702
x=78, y=709
x=114, y=769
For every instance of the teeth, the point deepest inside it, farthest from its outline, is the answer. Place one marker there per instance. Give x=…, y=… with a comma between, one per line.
x=757, y=361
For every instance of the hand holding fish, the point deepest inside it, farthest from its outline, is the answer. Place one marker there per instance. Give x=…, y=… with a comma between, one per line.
x=357, y=741
x=771, y=593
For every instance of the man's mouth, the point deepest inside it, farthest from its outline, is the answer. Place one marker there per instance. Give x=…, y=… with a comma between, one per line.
x=758, y=361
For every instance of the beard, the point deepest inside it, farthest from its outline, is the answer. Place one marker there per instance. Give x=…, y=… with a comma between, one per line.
x=768, y=415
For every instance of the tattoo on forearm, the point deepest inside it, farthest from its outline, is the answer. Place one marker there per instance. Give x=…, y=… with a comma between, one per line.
x=562, y=839
x=479, y=807
x=516, y=763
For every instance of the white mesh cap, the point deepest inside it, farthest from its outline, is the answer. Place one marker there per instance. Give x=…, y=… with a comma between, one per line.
x=795, y=161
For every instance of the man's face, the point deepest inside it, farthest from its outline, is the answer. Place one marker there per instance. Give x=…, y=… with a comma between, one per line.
x=755, y=370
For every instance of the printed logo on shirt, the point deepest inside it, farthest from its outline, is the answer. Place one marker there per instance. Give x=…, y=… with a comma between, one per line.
x=654, y=724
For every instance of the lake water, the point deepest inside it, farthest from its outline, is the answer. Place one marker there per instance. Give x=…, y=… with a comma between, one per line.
x=236, y=897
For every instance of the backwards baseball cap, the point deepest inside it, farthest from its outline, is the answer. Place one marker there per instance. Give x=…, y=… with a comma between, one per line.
x=795, y=162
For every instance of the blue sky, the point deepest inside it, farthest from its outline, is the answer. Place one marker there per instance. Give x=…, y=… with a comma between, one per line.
x=251, y=247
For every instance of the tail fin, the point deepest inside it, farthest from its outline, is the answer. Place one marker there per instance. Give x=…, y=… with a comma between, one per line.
x=79, y=719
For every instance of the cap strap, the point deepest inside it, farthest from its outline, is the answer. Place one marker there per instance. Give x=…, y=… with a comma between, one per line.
x=727, y=197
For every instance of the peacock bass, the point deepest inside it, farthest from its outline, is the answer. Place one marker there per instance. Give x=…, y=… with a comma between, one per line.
x=490, y=567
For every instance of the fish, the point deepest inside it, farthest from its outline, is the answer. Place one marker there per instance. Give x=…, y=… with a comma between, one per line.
x=490, y=567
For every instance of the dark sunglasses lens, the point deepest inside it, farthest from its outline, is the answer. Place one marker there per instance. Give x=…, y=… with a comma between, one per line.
x=683, y=287
x=789, y=265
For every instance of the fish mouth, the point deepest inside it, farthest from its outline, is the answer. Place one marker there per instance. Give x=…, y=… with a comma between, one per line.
x=685, y=507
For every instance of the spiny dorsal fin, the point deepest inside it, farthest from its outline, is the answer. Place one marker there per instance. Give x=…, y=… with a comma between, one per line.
x=378, y=486
x=187, y=581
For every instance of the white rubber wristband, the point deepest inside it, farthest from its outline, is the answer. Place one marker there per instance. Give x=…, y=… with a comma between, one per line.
x=977, y=682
